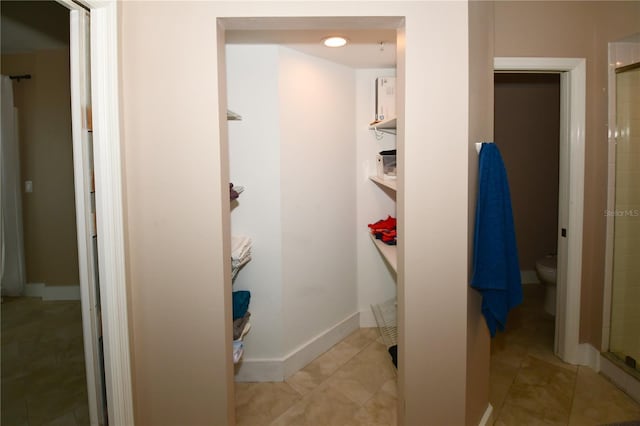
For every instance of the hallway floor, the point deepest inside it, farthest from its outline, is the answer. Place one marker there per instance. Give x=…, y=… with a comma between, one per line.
x=354, y=383
x=43, y=375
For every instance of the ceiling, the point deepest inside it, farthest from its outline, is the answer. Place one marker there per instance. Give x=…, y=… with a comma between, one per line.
x=367, y=48
x=365, y=33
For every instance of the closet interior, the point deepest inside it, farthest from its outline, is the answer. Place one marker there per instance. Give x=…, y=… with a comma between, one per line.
x=316, y=160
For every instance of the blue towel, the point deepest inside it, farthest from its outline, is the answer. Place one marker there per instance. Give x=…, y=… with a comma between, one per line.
x=240, y=303
x=496, y=270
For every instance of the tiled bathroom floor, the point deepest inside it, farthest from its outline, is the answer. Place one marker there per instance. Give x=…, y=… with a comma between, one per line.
x=43, y=376
x=354, y=383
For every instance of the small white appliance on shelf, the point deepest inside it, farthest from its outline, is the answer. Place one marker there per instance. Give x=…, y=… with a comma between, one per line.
x=385, y=98
x=386, y=164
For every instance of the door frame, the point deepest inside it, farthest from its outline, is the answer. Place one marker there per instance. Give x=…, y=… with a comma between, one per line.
x=572, y=147
x=82, y=175
x=103, y=40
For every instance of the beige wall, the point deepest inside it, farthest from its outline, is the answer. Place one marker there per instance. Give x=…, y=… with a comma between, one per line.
x=46, y=157
x=177, y=208
x=527, y=129
x=577, y=29
x=480, y=130
x=177, y=214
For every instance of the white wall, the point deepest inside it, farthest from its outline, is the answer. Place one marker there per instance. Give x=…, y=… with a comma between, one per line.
x=254, y=162
x=376, y=281
x=317, y=106
x=299, y=203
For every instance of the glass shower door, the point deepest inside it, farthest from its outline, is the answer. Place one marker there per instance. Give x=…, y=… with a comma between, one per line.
x=624, y=340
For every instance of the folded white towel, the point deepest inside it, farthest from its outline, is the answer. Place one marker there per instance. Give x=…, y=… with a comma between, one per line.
x=240, y=262
x=240, y=247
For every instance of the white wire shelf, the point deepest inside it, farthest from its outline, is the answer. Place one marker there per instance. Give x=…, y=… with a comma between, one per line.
x=386, y=318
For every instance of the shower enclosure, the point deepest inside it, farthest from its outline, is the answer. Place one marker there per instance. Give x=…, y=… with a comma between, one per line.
x=624, y=340
x=623, y=213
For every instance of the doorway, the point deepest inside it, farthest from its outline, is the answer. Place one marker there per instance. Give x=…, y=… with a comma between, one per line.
x=571, y=197
x=114, y=382
x=44, y=369
x=527, y=130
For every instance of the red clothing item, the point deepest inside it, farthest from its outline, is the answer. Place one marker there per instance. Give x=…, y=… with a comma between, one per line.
x=386, y=224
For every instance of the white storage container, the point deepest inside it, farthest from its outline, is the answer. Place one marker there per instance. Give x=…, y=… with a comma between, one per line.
x=385, y=98
x=386, y=165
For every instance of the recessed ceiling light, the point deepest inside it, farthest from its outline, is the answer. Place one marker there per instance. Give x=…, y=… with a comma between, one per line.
x=334, y=41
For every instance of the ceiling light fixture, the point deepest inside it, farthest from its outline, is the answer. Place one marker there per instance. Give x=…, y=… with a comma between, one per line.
x=334, y=41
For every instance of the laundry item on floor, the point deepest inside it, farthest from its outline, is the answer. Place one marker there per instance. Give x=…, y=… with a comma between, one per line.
x=393, y=351
x=496, y=271
x=385, y=230
x=240, y=303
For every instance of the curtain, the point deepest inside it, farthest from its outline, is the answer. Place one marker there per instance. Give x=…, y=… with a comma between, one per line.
x=12, y=268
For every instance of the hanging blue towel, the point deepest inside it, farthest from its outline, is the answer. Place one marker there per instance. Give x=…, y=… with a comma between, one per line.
x=496, y=270
x=240, y=303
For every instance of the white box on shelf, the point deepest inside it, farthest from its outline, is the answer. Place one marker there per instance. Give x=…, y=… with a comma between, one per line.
x=385, y=98
x=386, y=166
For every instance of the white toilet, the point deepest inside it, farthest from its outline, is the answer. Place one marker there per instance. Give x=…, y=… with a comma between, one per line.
x=546, y=268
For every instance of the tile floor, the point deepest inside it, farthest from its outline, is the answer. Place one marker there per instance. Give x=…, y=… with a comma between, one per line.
x=354, y=383
x=43, y=376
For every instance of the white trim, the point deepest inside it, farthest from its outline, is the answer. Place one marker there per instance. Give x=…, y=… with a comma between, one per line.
x=110, y=223
x=52, y=292
x=568, y=316
x=367, y=320
x=620, y=378
x=486, y=418
x=79, y=71
x=589, y=356
x=278, y=369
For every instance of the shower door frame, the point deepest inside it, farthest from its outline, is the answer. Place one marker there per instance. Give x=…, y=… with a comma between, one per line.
x=621, y=53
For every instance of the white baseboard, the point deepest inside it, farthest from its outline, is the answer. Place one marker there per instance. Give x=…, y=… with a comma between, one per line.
x=259, y=370
x=367, y=319
x=52, y=292
x=278, y=369
x=589, y=356
x=529, y=277
x=621, y=378
x=486, y=418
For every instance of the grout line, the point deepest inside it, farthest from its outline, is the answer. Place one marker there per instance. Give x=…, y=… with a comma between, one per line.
x=573, y=394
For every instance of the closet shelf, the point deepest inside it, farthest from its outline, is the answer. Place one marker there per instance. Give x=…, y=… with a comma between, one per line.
x=390, y=253
x=387, y=183
x=386, y=126
x=386, y=317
